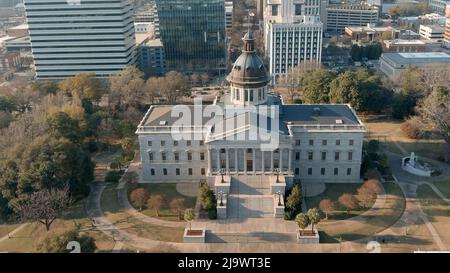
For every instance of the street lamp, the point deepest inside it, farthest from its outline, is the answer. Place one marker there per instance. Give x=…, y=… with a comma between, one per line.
x=222, y=172
x=279, y=198
x=277, y=170
x=221, y=198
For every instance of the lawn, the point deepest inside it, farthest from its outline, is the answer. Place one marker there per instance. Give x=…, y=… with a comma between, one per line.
x=438, y=211
x=169, y=191
x=367, y=225
x=333, y=191
x=444, y=187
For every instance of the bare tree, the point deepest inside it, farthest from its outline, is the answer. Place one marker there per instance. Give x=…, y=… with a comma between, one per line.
x=177, y=205
x=156, y=202
x=139, y=197
x=348, y=201
x=365, y=195
x=434, y=110
x=127, y=87
x=44, y=206
x=327, y=206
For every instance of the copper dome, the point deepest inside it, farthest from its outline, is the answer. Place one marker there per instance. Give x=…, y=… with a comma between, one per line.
x=249, y=70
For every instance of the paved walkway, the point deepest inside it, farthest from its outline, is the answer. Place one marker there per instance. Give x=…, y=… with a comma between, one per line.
x=13, y=232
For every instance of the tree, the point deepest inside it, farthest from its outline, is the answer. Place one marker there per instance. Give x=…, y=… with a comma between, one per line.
x=207, y=198
x=294, y=199
x=302, y=220
x=205, y=78
x=83, y=85
x=365, y=195
x=153, y=88
x=314, y=217
x=316, y=86
x=57, y=243
x=139, y=197
x=174, y=86
x=348, y=201
x=434, y=110
x=62, y=125
x=155, y=202
x=374, y=185
x=130, y=177
x=127, y=88
x=189, y=215
x=44, y=206
x=327, y=206
x=177, y=206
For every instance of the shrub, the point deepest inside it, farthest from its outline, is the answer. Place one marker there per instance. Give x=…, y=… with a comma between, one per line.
x=113, y=176
x=212, y=213
x=412, y=128
x=207, y=197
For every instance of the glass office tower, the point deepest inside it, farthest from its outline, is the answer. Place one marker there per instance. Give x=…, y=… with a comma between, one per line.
x=193, y=34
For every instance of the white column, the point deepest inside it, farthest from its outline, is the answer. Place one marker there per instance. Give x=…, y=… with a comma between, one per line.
x=262, y=161
x=254, y=160
x=236, y=165
x=209, y=162
x=290, y=160
x=280, y=161
x=227, y=161
x=218, y=159
x=271, y=161
x=248, y=93
x=245, y=161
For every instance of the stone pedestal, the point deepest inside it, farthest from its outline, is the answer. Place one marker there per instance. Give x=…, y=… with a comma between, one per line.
x=308, y=238
x=222, y=208
x=278, y=204
x=277, y=186
x=194, y=238
x=222, y=186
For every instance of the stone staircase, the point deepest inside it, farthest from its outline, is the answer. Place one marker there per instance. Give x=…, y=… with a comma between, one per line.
x=254, y=237
x=250, y=197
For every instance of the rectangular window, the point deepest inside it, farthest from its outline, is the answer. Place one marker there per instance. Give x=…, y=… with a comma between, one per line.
x=309, y=171
x=150, y=156
x=349, y=171
x=163, y=143
x=336, y=156
x=297, y=155
x=297, y=171
x=201, y=142
x=336, y=171
x=177, y=156
x=163, y=156
x=297, y=142
x=351, y=142
x=202, y=171
x=310, y=155
x=175, y=143
x=188, y=143
x=164, y=171
x=152, y=171
x=338, y=142
x=311, y=142
x=190, y=171
x=350, y=156
x=189, y=156
x=322, y=171
x=149, y=143
x=177, y=171
x=324, y=142
x=298, y=9
x=324, y=155
x=202, y=156
x=274, y=10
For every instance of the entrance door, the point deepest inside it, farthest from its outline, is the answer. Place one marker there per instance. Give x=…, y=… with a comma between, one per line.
x=249, y=165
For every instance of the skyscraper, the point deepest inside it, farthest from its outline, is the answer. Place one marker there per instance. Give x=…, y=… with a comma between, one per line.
x=74, y=36
x=193, y=34
x=293, y=33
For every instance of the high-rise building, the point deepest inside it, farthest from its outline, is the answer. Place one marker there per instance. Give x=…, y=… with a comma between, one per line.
x=438, y=6
x=75, y=36
x=193, y=34
x=293, y=33
x=447, y=33
x=341, y=16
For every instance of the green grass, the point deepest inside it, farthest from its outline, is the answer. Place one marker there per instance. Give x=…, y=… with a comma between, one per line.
x=370, y=224
x=333, y=191
x=169, y=191
x=109, y=201
x=444, y=187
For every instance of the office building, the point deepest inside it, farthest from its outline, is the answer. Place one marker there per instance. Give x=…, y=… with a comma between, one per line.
x=350, y=15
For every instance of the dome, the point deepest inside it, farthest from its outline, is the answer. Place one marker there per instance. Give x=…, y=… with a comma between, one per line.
x=249, y=70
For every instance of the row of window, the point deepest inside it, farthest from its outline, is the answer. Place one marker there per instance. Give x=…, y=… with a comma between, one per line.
x=175, y=143
x=236, y=94
x=177, y=171
x=176, y=156
x=323, y=171
x=337, y=156
x=337, y=142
